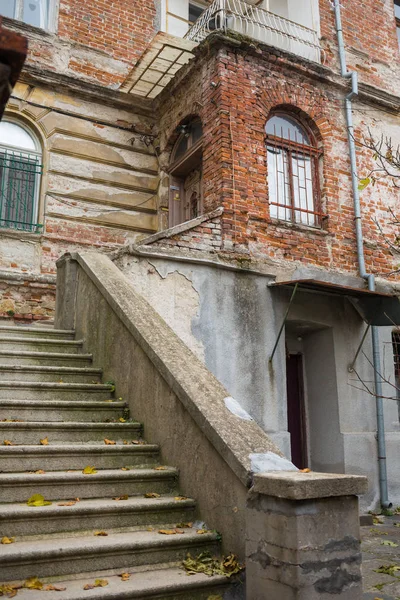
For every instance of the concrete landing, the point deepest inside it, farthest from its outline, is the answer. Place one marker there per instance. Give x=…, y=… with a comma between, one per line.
x=378, y=551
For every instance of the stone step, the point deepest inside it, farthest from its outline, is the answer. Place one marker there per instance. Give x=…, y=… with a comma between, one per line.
x=61, y=485
x=56, y=411
x=68, y=433
x=36, y=390
x=56, y=457
x=39, y=344
x=10, y=357
x=80, y=554
x=155, y=584
x=98, y=514
x=46, y=373
x=35, y=332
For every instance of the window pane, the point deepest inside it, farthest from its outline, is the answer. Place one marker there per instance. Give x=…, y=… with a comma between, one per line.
x=303, y=189
x=397, y=8
x=288, y=129
x=7, y=8
x=197, y=131
x=182, y=147
x=278, y=184
x=35, y=12
x=194, y=12
x=12, y=134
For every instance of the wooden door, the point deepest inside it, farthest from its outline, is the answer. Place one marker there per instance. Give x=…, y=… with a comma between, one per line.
x=296, y=410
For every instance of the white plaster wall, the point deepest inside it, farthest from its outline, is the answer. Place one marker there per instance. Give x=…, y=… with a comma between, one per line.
x=231, y=320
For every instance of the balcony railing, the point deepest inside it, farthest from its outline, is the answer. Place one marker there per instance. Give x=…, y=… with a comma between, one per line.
x=259, y=24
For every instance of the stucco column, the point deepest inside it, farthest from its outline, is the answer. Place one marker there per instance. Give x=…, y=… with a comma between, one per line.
x=303, y=537
x=67, y=272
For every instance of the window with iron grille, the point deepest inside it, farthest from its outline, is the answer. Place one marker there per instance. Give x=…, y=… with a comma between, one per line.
x=293, y=172
x=20, y=171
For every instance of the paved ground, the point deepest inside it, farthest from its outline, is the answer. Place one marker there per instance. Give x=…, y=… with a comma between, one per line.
x=381, y=548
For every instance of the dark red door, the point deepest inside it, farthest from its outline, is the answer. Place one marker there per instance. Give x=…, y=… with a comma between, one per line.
x=296, y=409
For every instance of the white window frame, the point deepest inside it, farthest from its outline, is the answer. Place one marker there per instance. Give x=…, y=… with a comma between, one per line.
x=51, y=18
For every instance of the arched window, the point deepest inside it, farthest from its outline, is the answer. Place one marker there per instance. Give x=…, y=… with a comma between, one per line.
x=293, y=181
x=20, y=170
x=185, y=190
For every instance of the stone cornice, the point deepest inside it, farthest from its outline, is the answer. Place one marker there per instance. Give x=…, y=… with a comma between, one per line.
x=33, y=75
x=286, y=60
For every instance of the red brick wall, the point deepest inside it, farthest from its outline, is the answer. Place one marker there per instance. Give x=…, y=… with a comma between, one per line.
x=233, y=92
x=369, y=31
x=98, y=40
x=120, y=29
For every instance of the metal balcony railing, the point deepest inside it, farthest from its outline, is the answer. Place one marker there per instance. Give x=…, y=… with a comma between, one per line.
x=259, y=24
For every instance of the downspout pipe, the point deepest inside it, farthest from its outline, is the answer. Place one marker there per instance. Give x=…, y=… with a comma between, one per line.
x=370, y=278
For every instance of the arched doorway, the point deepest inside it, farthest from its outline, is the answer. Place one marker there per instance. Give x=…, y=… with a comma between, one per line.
x=186, y=174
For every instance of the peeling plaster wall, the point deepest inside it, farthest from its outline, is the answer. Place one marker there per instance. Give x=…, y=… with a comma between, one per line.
x=231, y=321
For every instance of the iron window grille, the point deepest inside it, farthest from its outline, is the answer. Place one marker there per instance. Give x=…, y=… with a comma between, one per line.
x=19, y=186
x=293, y=172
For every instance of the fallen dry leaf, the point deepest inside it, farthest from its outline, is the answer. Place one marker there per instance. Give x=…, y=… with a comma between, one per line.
x=44, y=441
x=8, y=443
x=109, y=442
x=305, y=470
x=100, y=533
x=209, y=565
x=8, y=590
x=124, y=576
x=54, y=588
x=125, y=497
x=160, y=468
x=184, y=525
x=97, y=583
x=40, y=472
x=125, y=442
x=125, y=469
x=152, y=495
x=179, y=498
x=38, y=500
x=201, y=531
x=167, y=531
x=122, y=420
x=33, y=583
x=89, y=470
x=71, y=503
x=7, y=540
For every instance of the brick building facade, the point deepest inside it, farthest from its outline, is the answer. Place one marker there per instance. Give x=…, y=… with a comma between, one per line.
x=168, y=148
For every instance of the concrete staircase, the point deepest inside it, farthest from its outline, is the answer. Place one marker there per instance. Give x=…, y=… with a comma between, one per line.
x=49, y=391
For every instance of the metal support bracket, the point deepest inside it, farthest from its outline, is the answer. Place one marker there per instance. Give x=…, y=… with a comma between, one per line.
x=351, y=366
x=283, y=323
